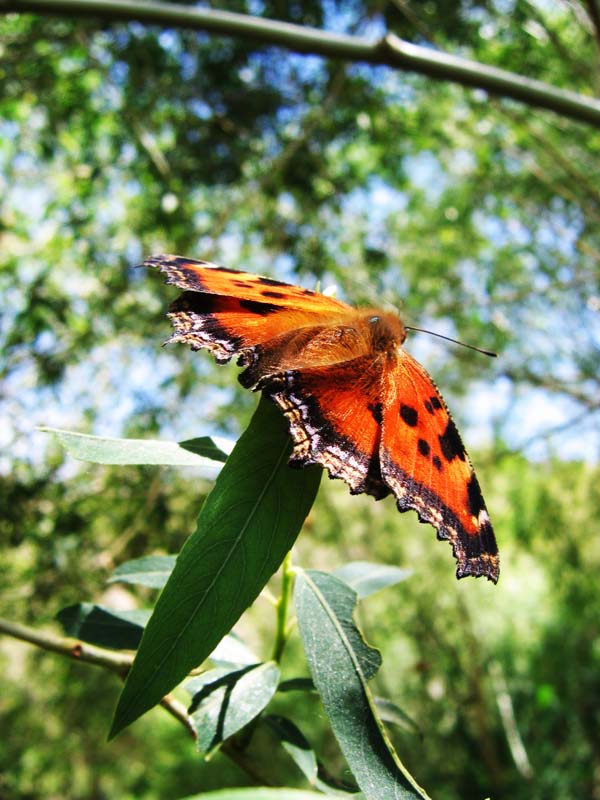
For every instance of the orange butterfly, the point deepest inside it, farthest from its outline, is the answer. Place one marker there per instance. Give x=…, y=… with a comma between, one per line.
x=356, y=402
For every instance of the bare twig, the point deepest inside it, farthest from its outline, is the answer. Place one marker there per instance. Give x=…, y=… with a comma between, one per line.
x=72, y=648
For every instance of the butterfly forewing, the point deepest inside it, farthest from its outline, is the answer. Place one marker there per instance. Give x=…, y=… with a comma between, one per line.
x=230, y=312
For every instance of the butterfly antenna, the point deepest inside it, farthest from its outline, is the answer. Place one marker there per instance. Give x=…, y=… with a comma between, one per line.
x=454, y=341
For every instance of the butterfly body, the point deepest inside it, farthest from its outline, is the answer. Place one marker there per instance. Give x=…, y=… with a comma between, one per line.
x=356, y=402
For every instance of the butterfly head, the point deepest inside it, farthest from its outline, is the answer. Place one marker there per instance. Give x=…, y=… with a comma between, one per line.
x=386, y=331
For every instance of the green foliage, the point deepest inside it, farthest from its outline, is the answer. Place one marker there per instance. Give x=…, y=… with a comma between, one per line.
x=246, y=526
x=475, y=216
x=341, y=664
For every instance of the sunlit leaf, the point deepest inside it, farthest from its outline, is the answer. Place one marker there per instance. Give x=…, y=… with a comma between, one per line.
x=152, y=571
x=100, y=450
x=367, y=578
x=225, y=700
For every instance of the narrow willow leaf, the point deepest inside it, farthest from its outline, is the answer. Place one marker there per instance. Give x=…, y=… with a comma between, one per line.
x=341, y=663
x=106, y=627
x=233, y=652
x=202, y=452
x=297, y=685
x=367, y=578
x=225, y=700
x=390, y=712
x=297, y=746
x=246, y=526
x=152, y=571
x=214, y=447
x=256, y=793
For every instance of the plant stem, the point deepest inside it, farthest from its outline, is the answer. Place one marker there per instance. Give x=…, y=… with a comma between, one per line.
x=287, y=582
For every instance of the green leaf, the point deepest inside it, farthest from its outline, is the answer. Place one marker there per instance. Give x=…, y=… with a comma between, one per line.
x=295, y=743
x=367, y=578
x=297, y=685
x=341, y=663
x=246, y=526
x=256, y=793
x=215, y=448
x=297, y=746
x=225, y=700
x=390, y=712
x=202, y=452
x=106, y=627
x=232, y=651
x=152, y=571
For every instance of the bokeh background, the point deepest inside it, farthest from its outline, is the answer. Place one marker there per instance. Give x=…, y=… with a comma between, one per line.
x=475, y=216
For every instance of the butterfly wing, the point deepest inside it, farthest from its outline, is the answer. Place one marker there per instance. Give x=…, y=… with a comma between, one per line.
x=230, y=312
x=334, y=414
x=424, y=463
x=356, y=402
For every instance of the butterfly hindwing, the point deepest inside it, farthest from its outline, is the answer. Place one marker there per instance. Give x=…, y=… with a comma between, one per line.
x=334, y=413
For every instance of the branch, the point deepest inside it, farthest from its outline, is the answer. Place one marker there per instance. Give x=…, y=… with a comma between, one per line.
x=72, y=648
x=120, y=663
x=391, y=50
x=593, y=9
x=90, y=654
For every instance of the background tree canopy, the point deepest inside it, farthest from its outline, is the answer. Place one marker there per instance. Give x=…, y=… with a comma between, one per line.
x=477, y=217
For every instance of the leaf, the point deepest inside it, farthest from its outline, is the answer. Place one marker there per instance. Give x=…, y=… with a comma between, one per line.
x=106, y=627
x=295, y=743
x=341, y=663
x=201, y=452
x=367, y=578
x=246, y=526
x=297, y=685
x=216, y=448
x=232, y=651
x=256, y=793
x=152, y=571
x=225, y=700
x=390, y=712
x=297, y=746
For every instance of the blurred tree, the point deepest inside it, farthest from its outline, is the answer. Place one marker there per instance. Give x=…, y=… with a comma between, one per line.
x=476, y=216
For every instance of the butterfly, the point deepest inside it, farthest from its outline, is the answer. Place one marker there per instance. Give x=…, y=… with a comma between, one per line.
x=356, y=402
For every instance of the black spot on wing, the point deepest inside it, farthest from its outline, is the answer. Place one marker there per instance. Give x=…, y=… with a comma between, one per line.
x=437, y=463
x=428, y=406
x=197, y=303
x=474, y=497
x=227, y=270
x=472, y=545
x=409, y=415
x=376, y=410
x=435, y=402
x=256, y=307
x=271, y=281
x=423, y=446
x=451, y=444
x=269, y=293
x=488, y=540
